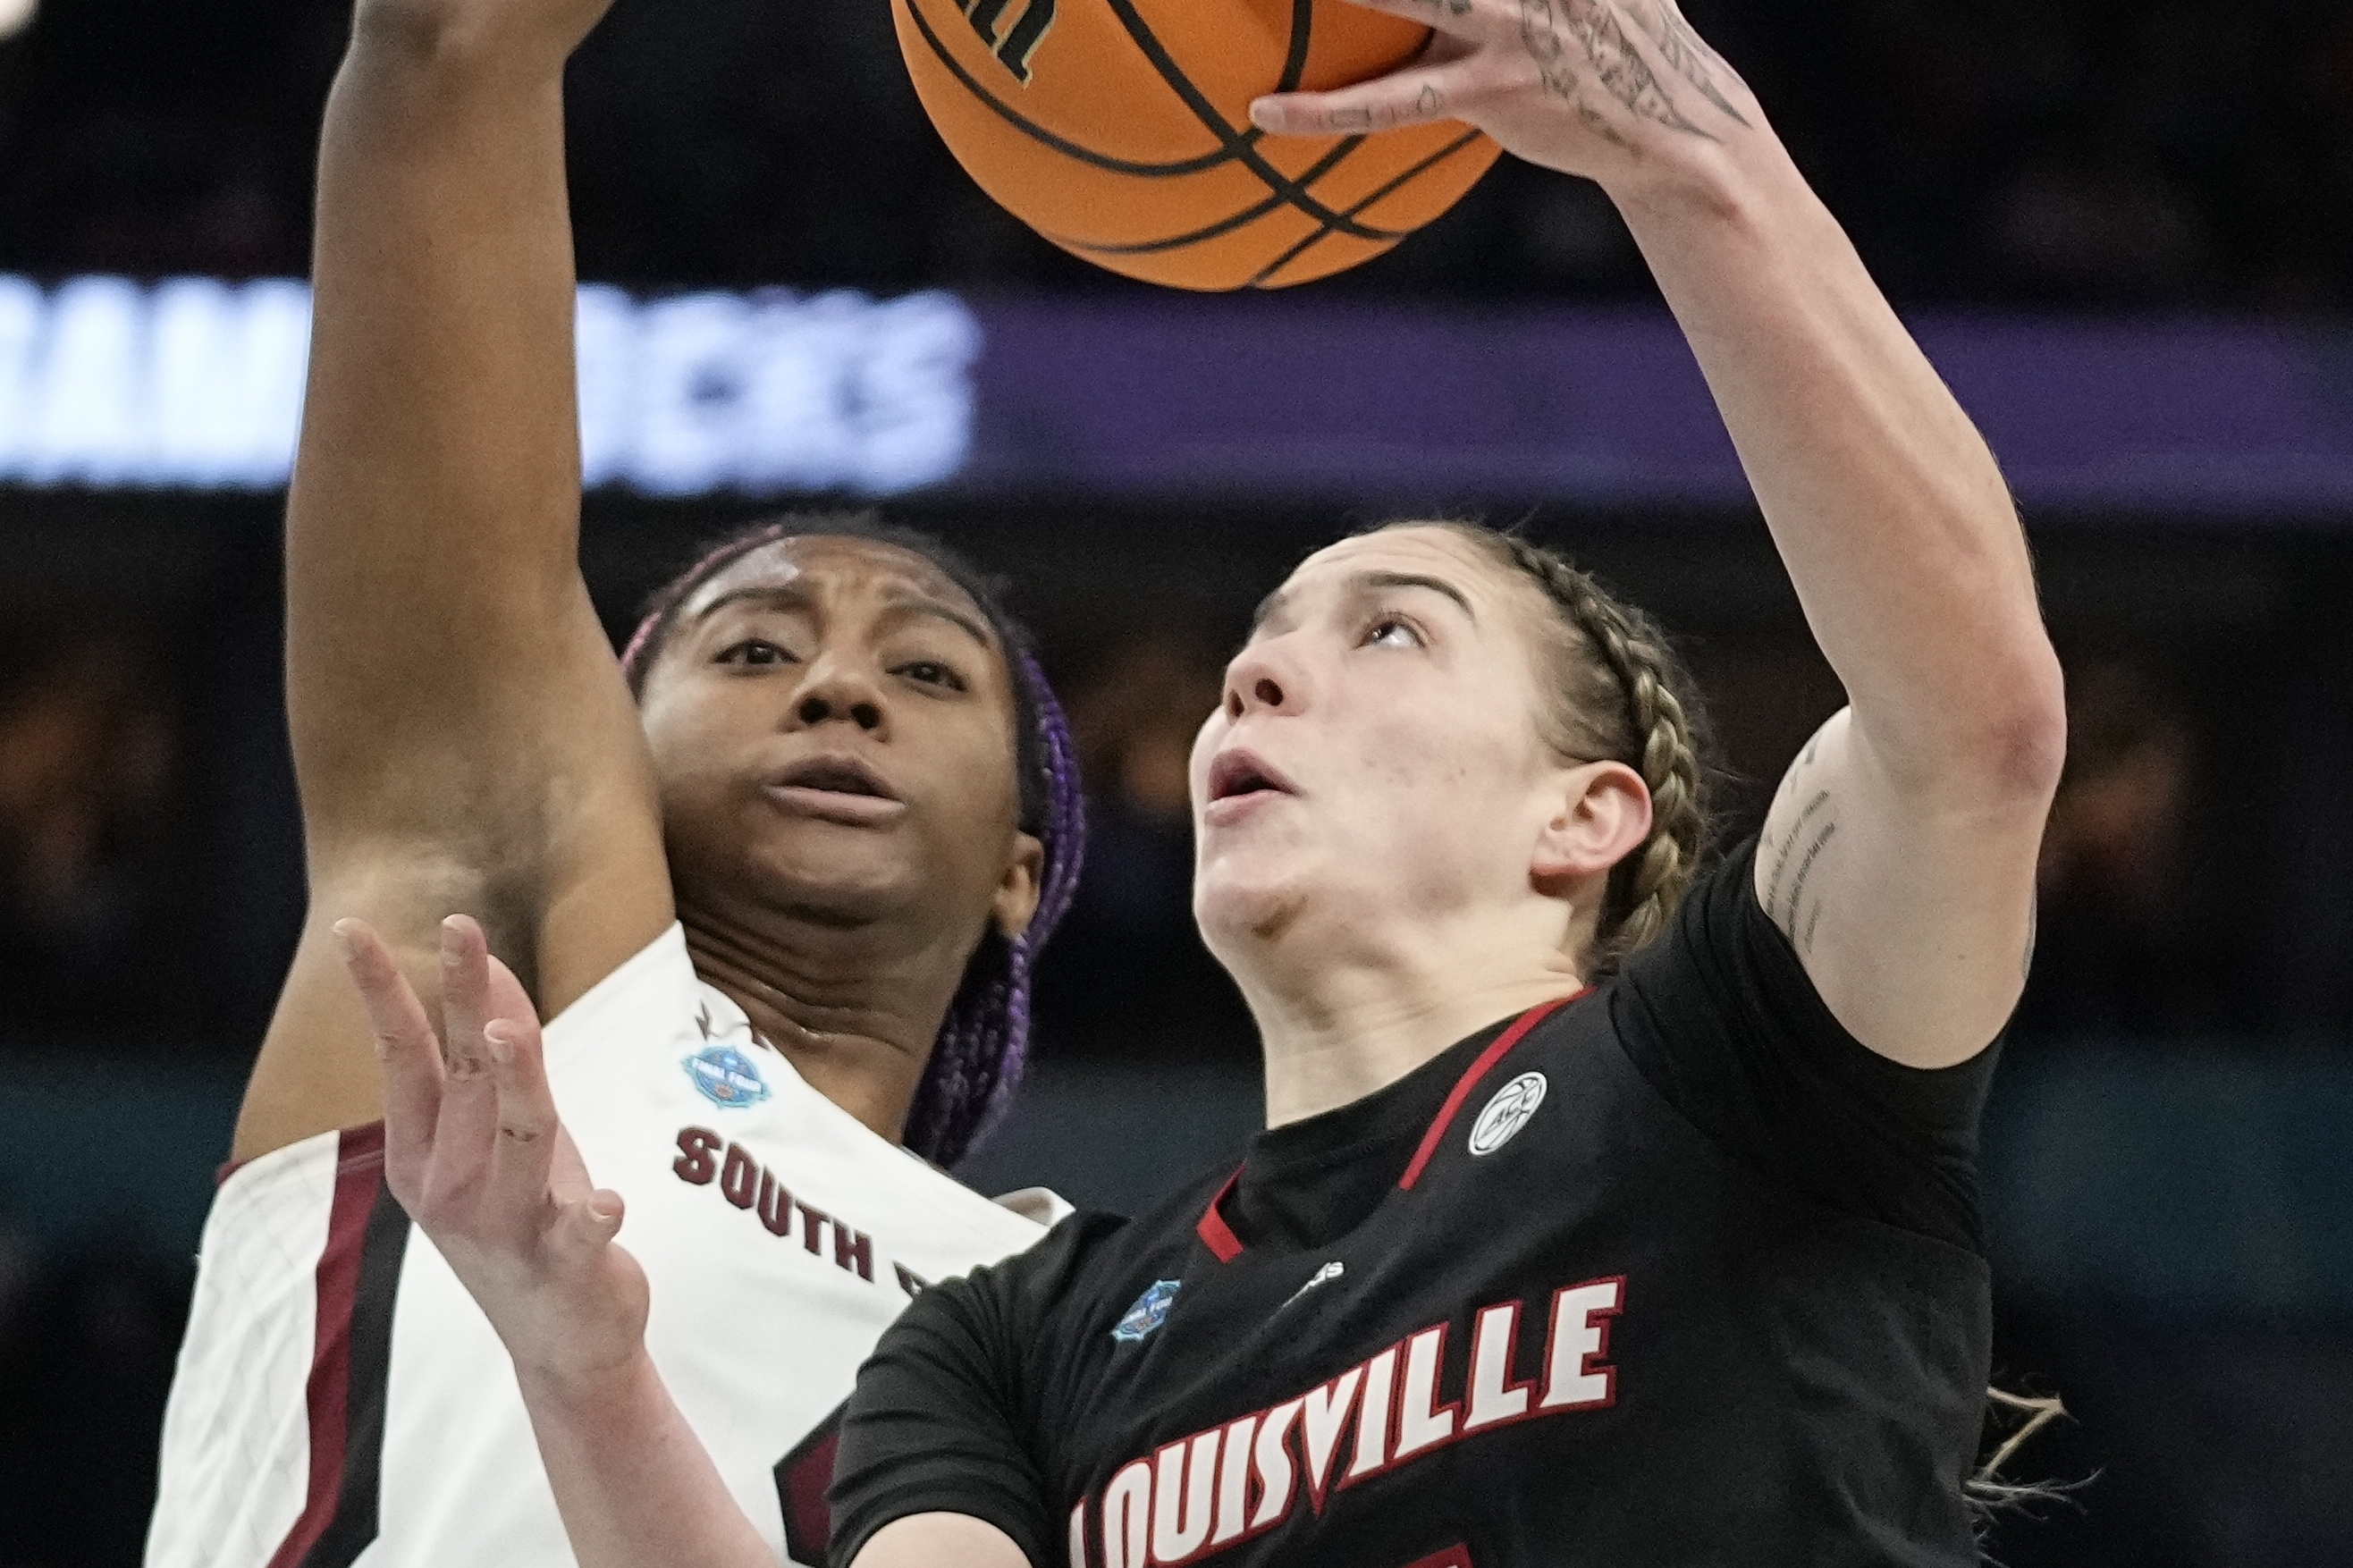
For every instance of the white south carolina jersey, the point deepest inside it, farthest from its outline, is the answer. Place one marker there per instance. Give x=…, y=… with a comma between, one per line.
x=341, y=1400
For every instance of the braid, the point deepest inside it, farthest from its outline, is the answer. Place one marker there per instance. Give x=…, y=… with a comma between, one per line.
x=984, y=1040
x=1628, y=699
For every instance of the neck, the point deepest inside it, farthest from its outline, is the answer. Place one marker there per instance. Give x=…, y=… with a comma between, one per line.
x=855, y=1008
x=1337, y=1029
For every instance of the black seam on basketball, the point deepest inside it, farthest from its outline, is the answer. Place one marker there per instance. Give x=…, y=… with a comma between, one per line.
x=1302, y=26
x=1222, y=226
x=1206, y=113
x=1300, y=249
x=1037, y=132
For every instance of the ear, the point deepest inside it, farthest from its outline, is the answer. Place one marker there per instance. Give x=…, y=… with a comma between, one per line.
x=1016, y=899
x=1604, y=814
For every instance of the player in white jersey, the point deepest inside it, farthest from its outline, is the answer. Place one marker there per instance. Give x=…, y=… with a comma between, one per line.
x=774, y=880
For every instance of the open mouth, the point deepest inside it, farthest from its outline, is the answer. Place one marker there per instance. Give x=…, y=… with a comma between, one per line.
x=837, y=775
x=1240, y=773
x=837, y=789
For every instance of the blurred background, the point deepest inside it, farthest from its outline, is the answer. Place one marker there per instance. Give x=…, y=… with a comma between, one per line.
x=2125, y=234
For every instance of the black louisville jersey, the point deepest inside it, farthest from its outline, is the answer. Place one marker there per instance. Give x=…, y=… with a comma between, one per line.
x=1673, y=1272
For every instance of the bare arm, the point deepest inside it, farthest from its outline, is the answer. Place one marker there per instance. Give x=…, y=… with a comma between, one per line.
x=462, y=738
x=476, y=1155
x=1900, y=855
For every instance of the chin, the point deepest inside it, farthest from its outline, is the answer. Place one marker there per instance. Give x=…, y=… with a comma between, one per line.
x=825, y=874
x=1236, y=913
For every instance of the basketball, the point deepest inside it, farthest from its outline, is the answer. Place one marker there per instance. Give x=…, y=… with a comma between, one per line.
x=1120, y=131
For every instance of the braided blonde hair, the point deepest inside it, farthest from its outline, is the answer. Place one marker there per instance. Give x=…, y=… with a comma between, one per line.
x=1625, y=698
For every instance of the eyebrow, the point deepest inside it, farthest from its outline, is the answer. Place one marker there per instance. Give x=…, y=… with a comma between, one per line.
x=793, y=596
x=1270, y=605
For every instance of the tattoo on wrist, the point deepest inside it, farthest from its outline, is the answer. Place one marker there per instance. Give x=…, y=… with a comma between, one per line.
x=1618, y=64
x=1625, y=75
x=1687, y=54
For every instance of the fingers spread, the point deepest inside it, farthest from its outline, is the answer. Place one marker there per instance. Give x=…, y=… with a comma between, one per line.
x=406, y=1050
x=465, y=994
x=524, y=1152
x=468, y=1128
x=589, y=1225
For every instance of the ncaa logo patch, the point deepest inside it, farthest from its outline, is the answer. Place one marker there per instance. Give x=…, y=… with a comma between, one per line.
x=1151, y=1310
x=726, y=1076
x=1507, y=1112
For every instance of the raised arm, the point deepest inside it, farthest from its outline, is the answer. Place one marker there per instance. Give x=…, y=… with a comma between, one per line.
x=1899, y=854
x=462, y=737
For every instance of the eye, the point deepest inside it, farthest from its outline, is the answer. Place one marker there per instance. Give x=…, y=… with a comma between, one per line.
x=755, y=651
x=930, y=672
x=1392, y=631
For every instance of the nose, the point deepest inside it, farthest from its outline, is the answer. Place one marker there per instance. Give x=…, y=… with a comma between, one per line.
x=1264, y=678
x=833, y=693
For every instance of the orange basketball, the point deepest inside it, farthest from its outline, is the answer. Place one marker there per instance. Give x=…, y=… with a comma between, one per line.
x=1120, y=130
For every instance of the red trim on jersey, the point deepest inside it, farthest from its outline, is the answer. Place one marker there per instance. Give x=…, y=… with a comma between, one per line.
x=1215, y=1233
x=1470, y=1079
x=1225, y=1245
x=359, y=1171
x=1452, y=1557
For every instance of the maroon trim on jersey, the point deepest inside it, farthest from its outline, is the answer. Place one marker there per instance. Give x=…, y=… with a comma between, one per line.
x=1470, y=1081
x=1452, y=1557
x=367, y=1234
x=802, y=1477
x=1225, y=1245
x=1215, y=1233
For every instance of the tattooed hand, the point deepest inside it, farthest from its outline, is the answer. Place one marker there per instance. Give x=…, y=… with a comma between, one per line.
x=1605, y=89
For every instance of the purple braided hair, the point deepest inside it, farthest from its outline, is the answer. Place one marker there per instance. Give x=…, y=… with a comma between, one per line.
x=984, y=1040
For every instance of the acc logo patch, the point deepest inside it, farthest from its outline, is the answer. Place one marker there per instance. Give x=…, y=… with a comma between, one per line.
x=726, y=1076
x=1507, y=1112
x=1151, y=1310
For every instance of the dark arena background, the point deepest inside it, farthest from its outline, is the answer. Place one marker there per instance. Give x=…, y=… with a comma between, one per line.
x=2124, y=232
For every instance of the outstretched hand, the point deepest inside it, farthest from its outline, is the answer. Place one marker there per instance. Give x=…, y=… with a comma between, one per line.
x=475, y=1153
x=1605, y=88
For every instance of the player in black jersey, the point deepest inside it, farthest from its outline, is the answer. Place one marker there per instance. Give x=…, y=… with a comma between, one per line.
x=1613, y=1210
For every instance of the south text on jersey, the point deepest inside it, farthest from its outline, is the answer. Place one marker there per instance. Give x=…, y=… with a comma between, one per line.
x=705, y=1159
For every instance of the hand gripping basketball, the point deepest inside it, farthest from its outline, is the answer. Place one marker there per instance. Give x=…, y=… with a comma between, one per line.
x=475, y=1153
x=1605, y=88
x=1119, y=130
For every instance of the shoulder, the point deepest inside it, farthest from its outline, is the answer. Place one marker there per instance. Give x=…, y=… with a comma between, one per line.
x=1059, y=1289
x=654, y=988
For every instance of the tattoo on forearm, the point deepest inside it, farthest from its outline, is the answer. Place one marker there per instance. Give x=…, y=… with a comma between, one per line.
x=1686, y=53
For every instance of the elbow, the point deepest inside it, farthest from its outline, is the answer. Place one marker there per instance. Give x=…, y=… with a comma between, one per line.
x=433, y=36
x=2019, y=743
x=1995, y=736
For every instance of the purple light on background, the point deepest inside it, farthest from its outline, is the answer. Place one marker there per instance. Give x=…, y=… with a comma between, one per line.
x=1290, y=398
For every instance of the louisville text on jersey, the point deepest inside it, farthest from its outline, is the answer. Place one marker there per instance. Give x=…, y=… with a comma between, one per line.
x=1204, y=1493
